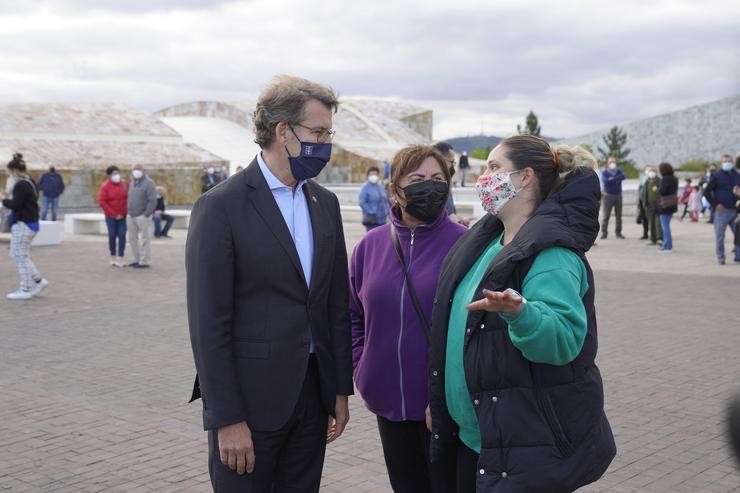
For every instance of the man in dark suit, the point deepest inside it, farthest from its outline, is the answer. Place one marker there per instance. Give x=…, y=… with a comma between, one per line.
x=267, y=288
x=209, y=179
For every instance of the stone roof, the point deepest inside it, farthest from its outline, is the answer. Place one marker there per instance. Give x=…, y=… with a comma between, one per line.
x=79, y=119
x=39, y=154
x=374, y=128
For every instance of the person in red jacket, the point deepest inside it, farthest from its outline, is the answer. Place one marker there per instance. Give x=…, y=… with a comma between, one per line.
x=113, y=199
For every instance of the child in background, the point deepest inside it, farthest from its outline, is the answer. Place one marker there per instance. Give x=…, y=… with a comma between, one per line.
x=694, y=204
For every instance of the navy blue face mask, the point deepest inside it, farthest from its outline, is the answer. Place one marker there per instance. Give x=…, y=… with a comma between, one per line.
x=311, y=160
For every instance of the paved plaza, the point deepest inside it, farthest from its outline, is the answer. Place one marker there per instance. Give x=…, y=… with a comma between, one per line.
x=96, y=373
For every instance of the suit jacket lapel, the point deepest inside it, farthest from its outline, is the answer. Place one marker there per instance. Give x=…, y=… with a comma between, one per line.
x=265, y=205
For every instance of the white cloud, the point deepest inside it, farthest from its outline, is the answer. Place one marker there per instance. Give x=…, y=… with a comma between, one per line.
x=479, y=64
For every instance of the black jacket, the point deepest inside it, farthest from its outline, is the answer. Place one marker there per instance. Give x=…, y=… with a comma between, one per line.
x=24, y=204
x=543, y=427
x=250, y=312
x=205, y=182
x=668, y=188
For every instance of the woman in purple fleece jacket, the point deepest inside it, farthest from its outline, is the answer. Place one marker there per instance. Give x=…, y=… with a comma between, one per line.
x=389, y=346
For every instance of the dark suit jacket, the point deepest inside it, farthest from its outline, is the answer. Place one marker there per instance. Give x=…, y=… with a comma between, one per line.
x=250, y=312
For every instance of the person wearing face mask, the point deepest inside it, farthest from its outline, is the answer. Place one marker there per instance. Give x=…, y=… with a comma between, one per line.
x=209, y=179
x=667, y=204
x=650, y=198
x=720, y=192
x=373, y=200
x=611, y=180
x=24, y=225
x=142, y=201
x=267, y=294
x=113, y=199
x=393, y=271
x=515, y=395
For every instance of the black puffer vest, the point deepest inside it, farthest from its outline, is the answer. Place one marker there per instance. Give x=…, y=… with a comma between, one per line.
x=543, y=427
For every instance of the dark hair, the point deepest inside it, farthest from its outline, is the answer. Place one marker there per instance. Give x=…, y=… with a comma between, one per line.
x=371, y=169
x=408, y=160
x=111, y=169
x=17, y=163
x=283, y=100
x=665, y=168
x=737, y=162
x=443, y=147
x=530, y=151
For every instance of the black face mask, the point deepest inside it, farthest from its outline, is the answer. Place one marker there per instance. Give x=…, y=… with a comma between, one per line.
x=425, y=200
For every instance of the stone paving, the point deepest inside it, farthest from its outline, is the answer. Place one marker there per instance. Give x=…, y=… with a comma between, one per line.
x=96, y=373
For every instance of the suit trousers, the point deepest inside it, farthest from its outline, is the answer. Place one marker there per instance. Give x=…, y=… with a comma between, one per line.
x=140, y=231
x=289, y=460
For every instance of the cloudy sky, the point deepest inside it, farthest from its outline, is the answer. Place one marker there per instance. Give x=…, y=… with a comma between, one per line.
x=481, y=65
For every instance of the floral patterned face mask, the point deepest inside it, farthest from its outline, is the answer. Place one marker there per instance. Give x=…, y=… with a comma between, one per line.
x=495, y=191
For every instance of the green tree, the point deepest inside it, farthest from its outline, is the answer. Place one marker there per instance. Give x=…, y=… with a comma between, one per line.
x=481, y=153
x=615, y=141
x=531, y=125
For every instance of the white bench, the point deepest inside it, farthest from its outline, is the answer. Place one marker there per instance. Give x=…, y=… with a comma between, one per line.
x=50, y=233
x=85, y=223
x=93, y=223
x=182, y=218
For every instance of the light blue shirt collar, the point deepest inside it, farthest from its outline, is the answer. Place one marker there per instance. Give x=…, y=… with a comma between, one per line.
x=272, y=181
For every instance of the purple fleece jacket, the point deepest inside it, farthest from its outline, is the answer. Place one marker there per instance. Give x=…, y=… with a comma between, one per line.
x=389, y=348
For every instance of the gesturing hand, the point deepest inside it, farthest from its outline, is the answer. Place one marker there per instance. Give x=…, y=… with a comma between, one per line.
x=336, y=426
x=508, y=302
x=236, y=448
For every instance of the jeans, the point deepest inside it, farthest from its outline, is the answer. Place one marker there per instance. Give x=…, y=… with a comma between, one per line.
x=116, y=231
x=45, y=202
x=665, y=224
x=464, y=172
x=158, y=218
x=722, y=220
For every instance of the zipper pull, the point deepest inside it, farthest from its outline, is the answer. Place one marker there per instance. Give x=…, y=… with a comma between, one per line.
x=412, y=237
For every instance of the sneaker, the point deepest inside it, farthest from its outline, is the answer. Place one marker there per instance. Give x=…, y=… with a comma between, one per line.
x=20, y=294
x=142, y=266
x=113, y=261
x=737, y=260
x=643, y=237
x=665, y=250
x=120, y=262
x=135, y=265
x=721, y=261
x=620, y=236
x=40, y=286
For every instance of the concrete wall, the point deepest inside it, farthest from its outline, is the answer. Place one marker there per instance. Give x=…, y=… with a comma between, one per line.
x=701, y=132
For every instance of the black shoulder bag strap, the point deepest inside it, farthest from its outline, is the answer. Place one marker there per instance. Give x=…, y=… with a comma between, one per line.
x=412, y=292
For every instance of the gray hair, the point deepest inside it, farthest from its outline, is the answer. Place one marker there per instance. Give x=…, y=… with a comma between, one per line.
x=283, y=100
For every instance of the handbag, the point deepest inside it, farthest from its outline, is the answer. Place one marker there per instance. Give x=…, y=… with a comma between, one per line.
x=668, y=201
x=369, y=219
x=412, y=292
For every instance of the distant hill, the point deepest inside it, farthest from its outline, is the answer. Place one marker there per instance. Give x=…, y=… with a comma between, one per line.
x=474, y=142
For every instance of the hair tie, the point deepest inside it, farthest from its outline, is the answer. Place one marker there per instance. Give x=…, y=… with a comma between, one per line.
x=555, y=158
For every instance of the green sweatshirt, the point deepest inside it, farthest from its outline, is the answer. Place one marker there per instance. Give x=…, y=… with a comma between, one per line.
x=550, y=329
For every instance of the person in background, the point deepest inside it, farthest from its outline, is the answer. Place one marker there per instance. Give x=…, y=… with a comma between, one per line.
x=667, y=204
x=448, y=153
x=24, y=224
x=52, y=186
x=239, y=168
x=159, y=215
x=641, y=217
x=611, y=196
x=464, y=167
x=222, y=172
x=684, y=199
x=113, y=199
x=703, y=182
x=389, y=340
x=720, y=192
x=142, y=200
x=209, y=179
x=694, y=203
x=650, y=197
x=373, y=200
x=516, y=398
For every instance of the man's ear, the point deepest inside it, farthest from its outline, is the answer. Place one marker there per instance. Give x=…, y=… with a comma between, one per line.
x=281, y=132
